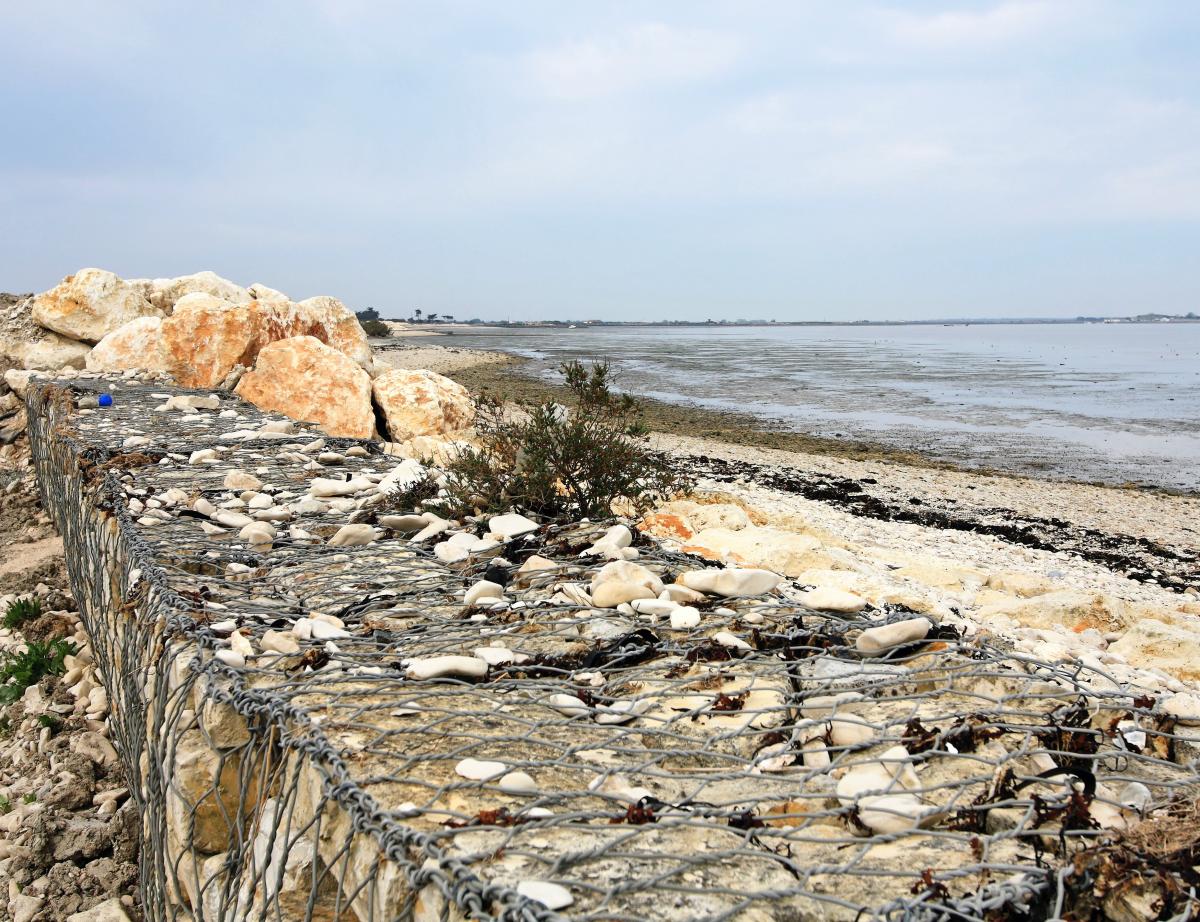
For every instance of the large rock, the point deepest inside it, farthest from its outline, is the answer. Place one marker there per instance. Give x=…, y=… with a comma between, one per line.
x=417, y=402
x=326, y=318
x=307, y=380
x=89, y=305
x=205, y=337
x=138, y=344
x=164, y=294
x=24, y=344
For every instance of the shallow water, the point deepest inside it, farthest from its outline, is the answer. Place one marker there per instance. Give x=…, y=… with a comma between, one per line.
x=1109, y=402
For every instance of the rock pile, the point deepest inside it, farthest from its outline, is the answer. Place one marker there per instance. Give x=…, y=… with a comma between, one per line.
x=308, y=359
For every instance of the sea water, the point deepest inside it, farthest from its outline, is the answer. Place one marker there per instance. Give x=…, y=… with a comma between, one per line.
x=1109, y=402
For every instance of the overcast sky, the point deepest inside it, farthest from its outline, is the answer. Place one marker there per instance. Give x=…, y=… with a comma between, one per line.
x=624, y=160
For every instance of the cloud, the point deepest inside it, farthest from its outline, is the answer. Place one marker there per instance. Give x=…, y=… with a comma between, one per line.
x=644, y=57
x=1003, y=22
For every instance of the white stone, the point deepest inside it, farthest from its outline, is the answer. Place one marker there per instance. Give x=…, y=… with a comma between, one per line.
x=240, y=480
x=611, y=593
x=479, y=770
x=830, y=599
x=436, y=667
x=552, y=896
x=518, y=783
x=323, y=486
x=685, y=618
x=354, y=535
x=731, y=583
x=510, y=526
x=484, y=589
x=726, y=639
x=889, y=636
x=569, y=705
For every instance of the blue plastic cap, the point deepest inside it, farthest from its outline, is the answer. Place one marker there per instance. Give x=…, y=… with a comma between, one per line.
x=105, y=400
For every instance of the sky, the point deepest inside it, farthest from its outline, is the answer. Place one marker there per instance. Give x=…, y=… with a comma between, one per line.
x=682, y=159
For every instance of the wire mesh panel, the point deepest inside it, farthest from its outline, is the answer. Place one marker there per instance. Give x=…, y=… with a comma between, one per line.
x=316, y=728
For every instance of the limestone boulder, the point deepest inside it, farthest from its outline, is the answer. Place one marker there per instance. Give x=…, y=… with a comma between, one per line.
x=164, y=294
x=310, y=381
x=323, y=317
x=417, y=402
x=1069, y=607
x=89, y=305
x=24, y=344
x=138, y=344
x=205, y=337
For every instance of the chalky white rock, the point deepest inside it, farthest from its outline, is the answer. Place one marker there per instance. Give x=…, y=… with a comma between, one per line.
x=731, y=583
x=889, y=636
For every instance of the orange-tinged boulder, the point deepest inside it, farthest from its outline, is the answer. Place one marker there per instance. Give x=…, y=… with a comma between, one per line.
x=138, y=344
x=205, y=337
x=418, y=402
x=307, y=380
x=326, y=318
x=89, y=305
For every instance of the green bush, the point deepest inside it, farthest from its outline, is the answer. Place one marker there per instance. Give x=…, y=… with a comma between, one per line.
x=375, y=328
x=20, y=670
x=558, y=462
x=22, y=610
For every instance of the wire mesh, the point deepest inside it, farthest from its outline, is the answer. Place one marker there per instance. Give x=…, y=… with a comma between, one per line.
x=604, y=766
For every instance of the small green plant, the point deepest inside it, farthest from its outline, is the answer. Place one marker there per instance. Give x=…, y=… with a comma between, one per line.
x=22, y=610
x=20, y=670
x=561, y=462
x=29, y=798
x=50, y=722
x=5, y=805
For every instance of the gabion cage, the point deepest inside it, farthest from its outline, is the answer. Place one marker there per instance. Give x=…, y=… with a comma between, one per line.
x=600, y=765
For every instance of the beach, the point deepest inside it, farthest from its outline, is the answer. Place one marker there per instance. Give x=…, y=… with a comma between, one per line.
x=1092, y=538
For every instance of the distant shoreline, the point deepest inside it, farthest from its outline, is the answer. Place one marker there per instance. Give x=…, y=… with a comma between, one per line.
x=431, y=329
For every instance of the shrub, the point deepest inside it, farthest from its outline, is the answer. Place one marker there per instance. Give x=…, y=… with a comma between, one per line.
x=560, y=462
x=20, y=611
x=375, y=328
x=20, y=670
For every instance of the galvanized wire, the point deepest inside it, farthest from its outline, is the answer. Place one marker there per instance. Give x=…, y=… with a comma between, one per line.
x=325, y=784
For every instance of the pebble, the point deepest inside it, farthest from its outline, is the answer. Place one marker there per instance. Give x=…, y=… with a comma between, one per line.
x=353, y=536
x=569, y=705
x=889, y=636
x=321, y=486
x=552, y=896
x=612, y=593
x=829, y=599
x=518, y=783
x=436, y=667
x=731, y=583
x=404, y=524
x=685, y=618
x=240, y=480
x=484, y=589
x=507, y=527
x=479, y=770
x=725, y=639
